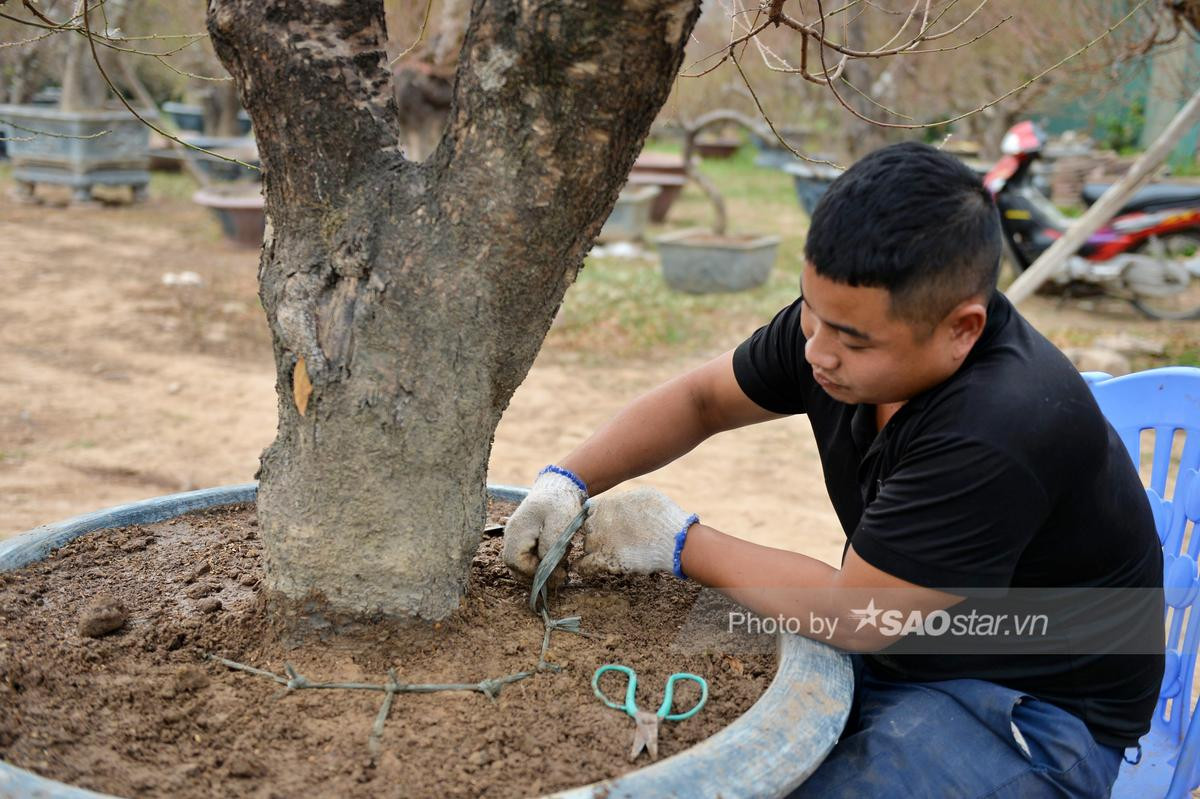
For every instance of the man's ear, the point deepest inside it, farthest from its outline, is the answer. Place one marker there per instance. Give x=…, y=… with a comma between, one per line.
x=965, y=325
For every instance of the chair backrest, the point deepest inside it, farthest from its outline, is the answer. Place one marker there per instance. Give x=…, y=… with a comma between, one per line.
x=1165, y=401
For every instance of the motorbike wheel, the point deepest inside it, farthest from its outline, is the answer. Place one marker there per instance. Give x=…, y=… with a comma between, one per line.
x=1183, y=303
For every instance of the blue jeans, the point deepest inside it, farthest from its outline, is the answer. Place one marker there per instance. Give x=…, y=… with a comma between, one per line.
x=956, y=738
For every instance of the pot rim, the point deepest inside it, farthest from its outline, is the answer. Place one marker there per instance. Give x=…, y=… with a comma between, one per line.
x=215, y=199
x=17, y=111
x=679, y=238
x=643, y=193
x=766, y=752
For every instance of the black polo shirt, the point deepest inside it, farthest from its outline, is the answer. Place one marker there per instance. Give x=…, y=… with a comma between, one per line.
x=1006, y=475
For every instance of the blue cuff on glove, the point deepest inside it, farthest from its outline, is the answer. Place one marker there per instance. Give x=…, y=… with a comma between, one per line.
x=567, y=473
x=680, y=539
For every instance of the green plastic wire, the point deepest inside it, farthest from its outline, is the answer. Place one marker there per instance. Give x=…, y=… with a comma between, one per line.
x=292, y=680
x=553, y=557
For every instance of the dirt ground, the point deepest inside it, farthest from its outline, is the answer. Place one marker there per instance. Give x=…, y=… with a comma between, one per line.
x=120, y=380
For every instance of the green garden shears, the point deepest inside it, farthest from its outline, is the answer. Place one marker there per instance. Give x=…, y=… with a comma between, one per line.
x=646, y=734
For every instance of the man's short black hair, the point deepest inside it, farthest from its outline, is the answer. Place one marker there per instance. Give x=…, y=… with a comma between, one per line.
x=913, y=220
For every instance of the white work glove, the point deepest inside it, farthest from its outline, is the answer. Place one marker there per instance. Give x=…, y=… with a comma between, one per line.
x=552, y=503
x=632, y=533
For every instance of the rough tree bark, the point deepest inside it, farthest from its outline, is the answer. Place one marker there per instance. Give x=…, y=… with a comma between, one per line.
x=407, y=301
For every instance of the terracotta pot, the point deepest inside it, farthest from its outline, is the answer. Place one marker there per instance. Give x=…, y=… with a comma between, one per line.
x=661, y=163
x=717, y=148
x=240, y=212
x=670, y=187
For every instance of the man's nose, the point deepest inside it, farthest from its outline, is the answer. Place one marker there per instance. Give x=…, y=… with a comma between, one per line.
x=819, y=356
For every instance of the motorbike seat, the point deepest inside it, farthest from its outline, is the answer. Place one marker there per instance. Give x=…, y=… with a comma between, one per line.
x=1155, y=197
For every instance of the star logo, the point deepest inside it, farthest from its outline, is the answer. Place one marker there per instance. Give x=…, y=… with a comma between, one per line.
x=868, y=615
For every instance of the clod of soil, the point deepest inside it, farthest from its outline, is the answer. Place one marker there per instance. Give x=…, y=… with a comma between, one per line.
x=105, y=615
x=202, y=589
x=144, y=711
x=190, y=678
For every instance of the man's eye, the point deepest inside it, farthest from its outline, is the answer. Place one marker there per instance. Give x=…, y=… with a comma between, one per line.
x=855, y=347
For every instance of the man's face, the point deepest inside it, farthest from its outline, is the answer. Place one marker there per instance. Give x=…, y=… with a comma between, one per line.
x=861, y=353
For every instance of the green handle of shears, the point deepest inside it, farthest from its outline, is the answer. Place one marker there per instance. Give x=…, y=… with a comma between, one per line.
x=630, y=704
x=664, y=712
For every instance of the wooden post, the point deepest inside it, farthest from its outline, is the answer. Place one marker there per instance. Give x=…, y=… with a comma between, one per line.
x=1108, y=204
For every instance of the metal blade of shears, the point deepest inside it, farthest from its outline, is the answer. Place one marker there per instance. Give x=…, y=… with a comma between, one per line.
x=646, y=735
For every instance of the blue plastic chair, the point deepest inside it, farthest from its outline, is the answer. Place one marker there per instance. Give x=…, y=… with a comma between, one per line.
x=1166, y=400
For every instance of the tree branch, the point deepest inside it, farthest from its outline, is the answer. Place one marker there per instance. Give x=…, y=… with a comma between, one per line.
x=313, y=78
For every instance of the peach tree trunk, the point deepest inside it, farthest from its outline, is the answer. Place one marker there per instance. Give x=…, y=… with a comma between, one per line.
x=407, y=300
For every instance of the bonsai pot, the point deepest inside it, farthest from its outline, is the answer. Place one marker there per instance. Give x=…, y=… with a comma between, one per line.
x=665, y=170
x=698, y=261
x=242, y=148
x=669, y=186
x=811, y=181
x=660, y=163
x=717, y=148
x=772, y=153
x=766, y=752
x=630, y=215
x=239, y=209
x=117, y=157
x=185, y=117
x=189, y=117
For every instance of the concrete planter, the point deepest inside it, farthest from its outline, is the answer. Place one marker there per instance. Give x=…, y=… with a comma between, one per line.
x=119, y=157
x=191, y=117
x=771, y=152
x=765, y=753
x=698, y=262
x=811, y=181
x=630, y=216
x=244, y=149
x=240, y=210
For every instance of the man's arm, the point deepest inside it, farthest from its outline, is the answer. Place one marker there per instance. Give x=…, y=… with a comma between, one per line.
x=650, y=432
x=664, y=424
x=636, y=532
x=773, y=582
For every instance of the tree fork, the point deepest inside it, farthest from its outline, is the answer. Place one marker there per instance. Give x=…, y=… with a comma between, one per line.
x=408, y=300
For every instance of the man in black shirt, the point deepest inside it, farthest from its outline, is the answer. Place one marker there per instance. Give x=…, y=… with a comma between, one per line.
x=967, y=463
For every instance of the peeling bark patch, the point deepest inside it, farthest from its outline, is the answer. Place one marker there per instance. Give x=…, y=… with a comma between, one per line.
x=676, y=19
x=301, y=387
x=582, y=69
x=490, y=70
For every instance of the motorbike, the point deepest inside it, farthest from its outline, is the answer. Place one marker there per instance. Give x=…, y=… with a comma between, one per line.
x=1148, y=254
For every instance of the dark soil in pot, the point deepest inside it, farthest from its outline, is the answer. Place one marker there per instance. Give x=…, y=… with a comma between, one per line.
x=141, y=711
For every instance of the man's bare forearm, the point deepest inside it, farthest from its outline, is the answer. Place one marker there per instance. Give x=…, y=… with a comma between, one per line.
x=647, y=434
x=660, y=426
x=778, y=583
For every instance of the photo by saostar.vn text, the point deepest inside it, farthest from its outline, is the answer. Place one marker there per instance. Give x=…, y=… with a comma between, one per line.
x=1067, y=620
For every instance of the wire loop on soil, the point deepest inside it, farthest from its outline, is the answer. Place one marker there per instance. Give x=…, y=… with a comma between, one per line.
x=295, y=681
